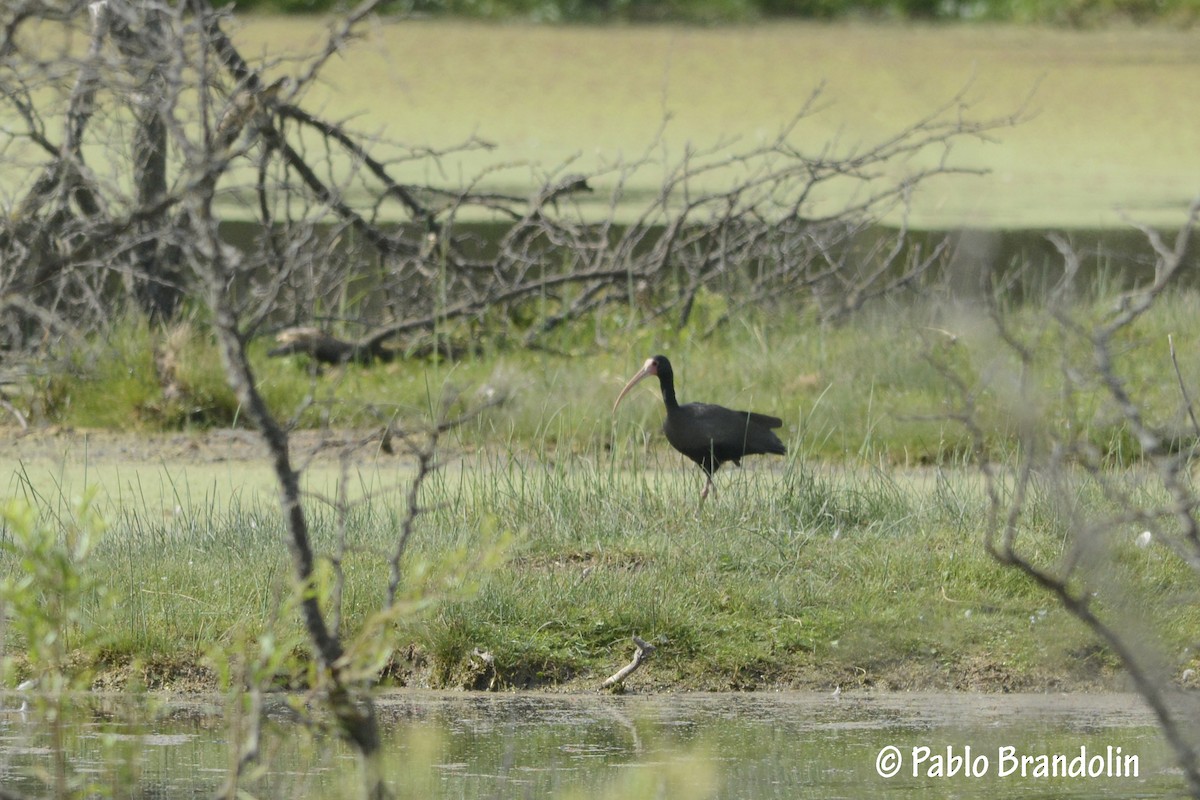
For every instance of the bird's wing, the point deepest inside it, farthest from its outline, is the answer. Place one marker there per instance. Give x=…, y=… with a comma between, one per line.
x=766, y=420
x=702, y=429
x=727, y=419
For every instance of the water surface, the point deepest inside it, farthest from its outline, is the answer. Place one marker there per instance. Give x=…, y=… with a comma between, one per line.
x=762, y=745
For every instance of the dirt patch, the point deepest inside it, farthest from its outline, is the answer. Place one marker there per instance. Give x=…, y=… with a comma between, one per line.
x=628, y=561
x=55, y=444
x=411, y=667
x=185, y=674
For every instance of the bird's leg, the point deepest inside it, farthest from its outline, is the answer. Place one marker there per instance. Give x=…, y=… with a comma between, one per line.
x=709, y=486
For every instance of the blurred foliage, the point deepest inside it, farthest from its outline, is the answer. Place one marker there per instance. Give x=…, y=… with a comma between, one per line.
x=1075, y=13
x=50, y=597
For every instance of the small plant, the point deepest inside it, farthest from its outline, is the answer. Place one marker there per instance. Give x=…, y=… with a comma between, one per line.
x=53, y=602
x=55, y=607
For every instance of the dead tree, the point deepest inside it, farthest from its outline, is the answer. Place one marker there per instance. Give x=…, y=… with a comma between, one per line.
x=1056, y=465
x=103, y=227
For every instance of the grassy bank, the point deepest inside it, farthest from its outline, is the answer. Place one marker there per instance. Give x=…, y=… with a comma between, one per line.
x=855, y=561
x=1108, y=130
x=796, y=575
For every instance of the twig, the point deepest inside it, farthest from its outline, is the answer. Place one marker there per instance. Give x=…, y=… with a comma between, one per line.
x=1183, y=387
x=16, y=412
x=424, y=452
x=644, y=650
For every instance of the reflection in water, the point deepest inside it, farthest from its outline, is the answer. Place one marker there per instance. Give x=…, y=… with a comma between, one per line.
x=765, y=745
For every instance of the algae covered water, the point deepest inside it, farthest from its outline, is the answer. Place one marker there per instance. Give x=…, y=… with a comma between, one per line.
x=761, y=745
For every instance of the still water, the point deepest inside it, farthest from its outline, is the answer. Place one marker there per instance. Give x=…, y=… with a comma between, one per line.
x=764, y=745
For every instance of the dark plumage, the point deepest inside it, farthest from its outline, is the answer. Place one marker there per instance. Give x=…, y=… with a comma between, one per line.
x=708, y=434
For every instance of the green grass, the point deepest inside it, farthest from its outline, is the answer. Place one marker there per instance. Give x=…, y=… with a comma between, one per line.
x=1108, y=129
x=798, y=577
x=793, y=575
x=1083, y=13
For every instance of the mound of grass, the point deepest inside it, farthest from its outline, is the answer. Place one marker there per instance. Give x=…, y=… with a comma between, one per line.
x=792, y=576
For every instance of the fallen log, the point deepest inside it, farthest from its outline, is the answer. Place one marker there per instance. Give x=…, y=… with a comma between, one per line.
x=325, y=348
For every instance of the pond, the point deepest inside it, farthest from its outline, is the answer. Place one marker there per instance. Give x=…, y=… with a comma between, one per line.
x=761, y=745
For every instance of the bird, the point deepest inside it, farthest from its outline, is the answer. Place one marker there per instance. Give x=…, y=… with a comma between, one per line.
x=706, y=433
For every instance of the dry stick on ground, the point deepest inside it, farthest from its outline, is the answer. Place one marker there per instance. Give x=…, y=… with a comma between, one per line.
x=644, y=651
x=11, y=409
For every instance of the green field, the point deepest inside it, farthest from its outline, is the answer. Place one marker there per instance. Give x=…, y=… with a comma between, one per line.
x=1110, y=128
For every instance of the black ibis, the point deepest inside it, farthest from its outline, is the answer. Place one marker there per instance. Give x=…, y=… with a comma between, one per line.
x=708, y=434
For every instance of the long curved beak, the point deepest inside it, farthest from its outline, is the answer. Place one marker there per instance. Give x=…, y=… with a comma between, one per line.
x=646, y=370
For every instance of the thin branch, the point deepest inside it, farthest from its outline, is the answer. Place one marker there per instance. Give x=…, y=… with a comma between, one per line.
x=1187, y=400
